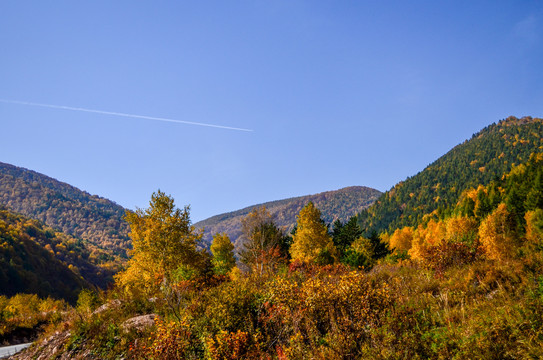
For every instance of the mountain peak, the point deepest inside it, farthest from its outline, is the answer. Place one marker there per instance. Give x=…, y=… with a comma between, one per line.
x=338, y=204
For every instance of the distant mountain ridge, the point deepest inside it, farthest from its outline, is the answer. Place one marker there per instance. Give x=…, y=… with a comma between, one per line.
x=64, y=207
x=489, y=154
x=339, y=204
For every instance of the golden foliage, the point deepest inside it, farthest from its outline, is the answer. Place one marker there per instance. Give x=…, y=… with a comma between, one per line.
x=164, y=247
x=311, y=240
x=223, y=254
x=497, y=234
x=461, y=228
x=231, y=346
x=401, y=239
x=427, y=236
x=170, y=341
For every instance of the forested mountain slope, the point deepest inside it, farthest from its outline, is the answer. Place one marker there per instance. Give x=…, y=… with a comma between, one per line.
x=64, y=207
x=467, y=285
x=488, y=155
x=339, y=204
x=35, y=259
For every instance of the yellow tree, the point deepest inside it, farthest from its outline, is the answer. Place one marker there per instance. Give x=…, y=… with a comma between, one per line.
x=311, y=242
x=164, y=247
x=497, y=234
x=223, y=254
x=461, y=229
x=401, y=239
x=534, y=227
x=426, y=237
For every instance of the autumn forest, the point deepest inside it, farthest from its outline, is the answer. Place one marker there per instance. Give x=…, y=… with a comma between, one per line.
x=447, y=264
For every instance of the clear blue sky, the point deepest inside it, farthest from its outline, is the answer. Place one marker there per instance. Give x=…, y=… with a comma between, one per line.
x=337, y=93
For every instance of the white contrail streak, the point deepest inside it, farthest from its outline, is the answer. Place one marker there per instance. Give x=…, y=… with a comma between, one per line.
x=121, y=114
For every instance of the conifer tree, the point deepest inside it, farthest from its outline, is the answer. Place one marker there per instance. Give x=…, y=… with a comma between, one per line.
x=344, y=235
x=534, y=198
x=534, y=228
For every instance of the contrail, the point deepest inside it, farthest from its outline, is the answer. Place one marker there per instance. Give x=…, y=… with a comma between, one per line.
x=121, y=114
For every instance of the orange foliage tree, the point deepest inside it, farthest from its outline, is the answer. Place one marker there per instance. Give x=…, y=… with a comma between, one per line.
x=497, y=234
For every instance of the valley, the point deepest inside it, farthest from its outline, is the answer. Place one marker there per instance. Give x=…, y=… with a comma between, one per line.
x=446, y=264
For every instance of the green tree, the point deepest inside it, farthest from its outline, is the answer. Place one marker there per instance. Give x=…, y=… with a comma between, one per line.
x=534, y=228
x=311, y=242
x=515, y=205
x=344, y=235
x=534, y=199
x=482, y=206
x=360, y=253
x=379, y=248
x=223, y=254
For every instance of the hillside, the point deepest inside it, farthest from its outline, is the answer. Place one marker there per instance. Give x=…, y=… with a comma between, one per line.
x=34, y=259
x=466, y=283
x=64, y=207
x=339, y=204
x=468, y=286
x=488, y=155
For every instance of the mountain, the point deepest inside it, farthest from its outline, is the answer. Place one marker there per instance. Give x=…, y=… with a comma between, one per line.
x=36, y=259
x=488, y=155
x=64, y=207
x=339, y=204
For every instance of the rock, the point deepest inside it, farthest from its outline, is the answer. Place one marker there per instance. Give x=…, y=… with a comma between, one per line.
x=110, y=305
x=139, y=323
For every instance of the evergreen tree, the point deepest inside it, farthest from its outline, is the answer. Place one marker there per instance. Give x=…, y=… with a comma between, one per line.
x=344, y=235
x=515, y=205
x=379, y=249
x=482, y=205
x=534, y=199
x=337, y=226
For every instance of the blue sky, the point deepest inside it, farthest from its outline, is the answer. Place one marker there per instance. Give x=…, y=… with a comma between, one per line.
x=337, y=93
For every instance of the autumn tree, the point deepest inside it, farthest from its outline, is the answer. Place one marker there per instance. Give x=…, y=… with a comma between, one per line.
x=461, y=229
x=263, y=243
x=223, y=254
x=401, y=239
x=311, y=242
x=497, y=233
x=534, y=228
x=164, y=247
x=360, y=253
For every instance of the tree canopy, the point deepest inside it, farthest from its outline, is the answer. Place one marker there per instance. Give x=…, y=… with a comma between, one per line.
x=165, y=246
x=311, y=242
x=223, y=254
x=264, y=244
